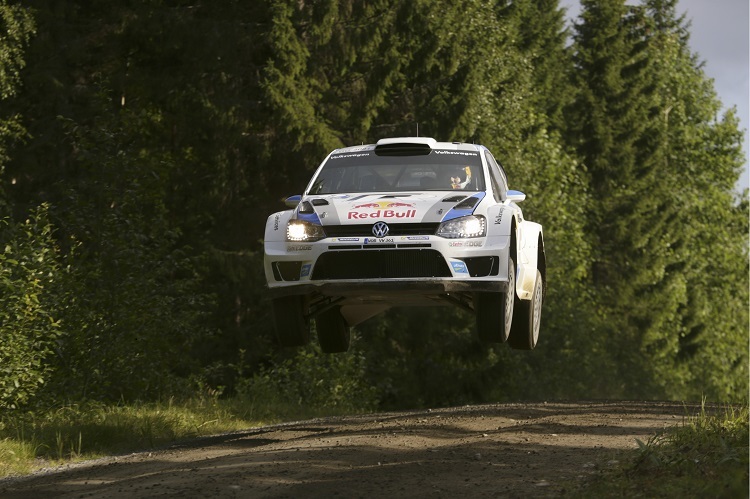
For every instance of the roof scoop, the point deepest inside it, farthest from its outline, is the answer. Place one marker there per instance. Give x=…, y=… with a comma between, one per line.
x=408, y=140
x=405, y=146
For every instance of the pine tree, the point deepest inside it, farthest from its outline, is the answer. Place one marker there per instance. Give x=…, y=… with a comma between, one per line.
x=620, y=142
x=703, y=163
x=635, y=111
x=542, y=39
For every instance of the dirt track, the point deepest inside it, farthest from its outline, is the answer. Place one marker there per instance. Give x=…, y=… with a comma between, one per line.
x=507, y=450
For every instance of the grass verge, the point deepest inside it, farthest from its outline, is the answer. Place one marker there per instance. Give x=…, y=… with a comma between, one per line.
x=705, y=456
x=33, y=441
x=299, y=388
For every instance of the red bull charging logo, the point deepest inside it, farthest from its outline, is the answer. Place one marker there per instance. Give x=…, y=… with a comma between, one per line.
x=382, y=209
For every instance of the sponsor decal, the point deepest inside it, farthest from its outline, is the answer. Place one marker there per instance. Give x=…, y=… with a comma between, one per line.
x=305, y=270
x=466, y=244
x=383, y=205
x=376, y=240
x=351, y=155
x=382, y=209
x=276, y=222
x=455, y=153
x=357, y=215
x=459, y=267
x=415, y=238
x=347, y=239
x=499, y=217
x=299, y=247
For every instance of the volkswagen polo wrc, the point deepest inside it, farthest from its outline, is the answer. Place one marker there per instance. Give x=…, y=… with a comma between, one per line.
x=405, y=222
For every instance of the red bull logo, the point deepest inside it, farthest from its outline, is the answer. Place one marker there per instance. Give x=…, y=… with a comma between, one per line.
x=383, y=205
x=382, y=209
x=354, y=215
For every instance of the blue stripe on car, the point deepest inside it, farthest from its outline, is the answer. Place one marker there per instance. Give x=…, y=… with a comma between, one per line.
x=309, y=217
x=462, y=212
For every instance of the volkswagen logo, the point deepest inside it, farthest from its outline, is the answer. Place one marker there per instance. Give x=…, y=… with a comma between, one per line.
x=380, y=229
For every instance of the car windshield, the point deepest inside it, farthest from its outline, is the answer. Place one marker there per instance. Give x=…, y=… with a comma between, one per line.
x=368, y=171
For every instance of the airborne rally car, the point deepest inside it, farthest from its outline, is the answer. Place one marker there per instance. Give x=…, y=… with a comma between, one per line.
x=405, y=222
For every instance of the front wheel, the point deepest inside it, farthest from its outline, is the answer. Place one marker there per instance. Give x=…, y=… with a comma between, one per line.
x=495, y=311
x=334, y=334
x=525, y=331
x=292, y=327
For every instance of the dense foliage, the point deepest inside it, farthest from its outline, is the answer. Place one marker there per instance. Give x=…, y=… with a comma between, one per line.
x=142, y=146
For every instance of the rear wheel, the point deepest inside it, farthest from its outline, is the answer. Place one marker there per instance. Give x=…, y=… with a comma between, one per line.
x=292, y=328
x=334, y=334
x=527, y=318
x=495, y=311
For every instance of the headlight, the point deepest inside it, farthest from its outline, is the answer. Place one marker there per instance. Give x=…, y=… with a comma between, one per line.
x=299, y=230
x=471, y=226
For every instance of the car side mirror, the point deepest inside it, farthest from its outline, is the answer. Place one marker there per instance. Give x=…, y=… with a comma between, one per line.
x=516, y=196
x=292, y=201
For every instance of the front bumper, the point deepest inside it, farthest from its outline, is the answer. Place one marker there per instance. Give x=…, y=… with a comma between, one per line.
x=364, y=277
x=390, y=288
x=433, y=261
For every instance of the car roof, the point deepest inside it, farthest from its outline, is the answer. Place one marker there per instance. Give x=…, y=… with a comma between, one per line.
x=415, y=141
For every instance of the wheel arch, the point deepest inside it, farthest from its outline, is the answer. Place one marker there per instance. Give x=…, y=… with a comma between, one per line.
x=541, y=262
x=275, y=230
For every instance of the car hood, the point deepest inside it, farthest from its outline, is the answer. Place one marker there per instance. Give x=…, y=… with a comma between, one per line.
x=355, y=209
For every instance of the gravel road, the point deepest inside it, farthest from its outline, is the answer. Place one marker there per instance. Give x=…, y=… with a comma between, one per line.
x=503, y=450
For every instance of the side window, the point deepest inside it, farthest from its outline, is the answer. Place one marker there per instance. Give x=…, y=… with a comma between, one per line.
x=499, y=182
x=496, y=190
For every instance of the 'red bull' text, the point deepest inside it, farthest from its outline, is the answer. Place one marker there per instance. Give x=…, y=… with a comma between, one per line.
x=354, y=215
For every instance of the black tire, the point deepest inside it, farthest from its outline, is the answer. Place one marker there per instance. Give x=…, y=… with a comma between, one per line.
x=524, y=334
x=495, y=311
x=334, y=334
x=292, y=328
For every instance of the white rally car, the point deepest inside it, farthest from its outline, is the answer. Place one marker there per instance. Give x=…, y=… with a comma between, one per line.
x=405, y=222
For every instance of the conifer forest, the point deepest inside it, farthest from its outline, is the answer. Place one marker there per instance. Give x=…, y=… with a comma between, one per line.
x=144, y=144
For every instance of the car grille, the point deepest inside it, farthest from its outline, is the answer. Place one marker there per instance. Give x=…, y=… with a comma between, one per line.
x=376, y=264
x=365, y=230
